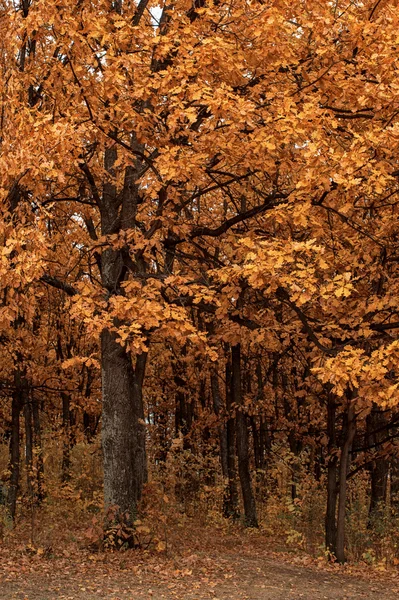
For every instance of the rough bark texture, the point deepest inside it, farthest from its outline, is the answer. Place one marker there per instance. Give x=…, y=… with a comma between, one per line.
x=242, y=440
x=123, y=426
x=123, y=429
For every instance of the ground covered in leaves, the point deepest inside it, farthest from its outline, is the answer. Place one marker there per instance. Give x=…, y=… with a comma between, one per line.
x=196, y=565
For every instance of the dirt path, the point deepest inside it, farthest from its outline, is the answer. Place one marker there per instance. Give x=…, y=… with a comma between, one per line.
x=222, y=575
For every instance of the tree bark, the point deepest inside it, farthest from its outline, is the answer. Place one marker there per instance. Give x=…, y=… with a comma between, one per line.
x=28, y=446
x=379, y=468
x=67, y=442
x=14, y=447
x=230, y=498
x=38, y=449
x=332, y=470
x=242, y=440
x=123, y=427
x=217, y=407
x=343, y=470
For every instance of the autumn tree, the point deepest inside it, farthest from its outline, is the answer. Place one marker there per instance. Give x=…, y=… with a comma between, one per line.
x=211, y=176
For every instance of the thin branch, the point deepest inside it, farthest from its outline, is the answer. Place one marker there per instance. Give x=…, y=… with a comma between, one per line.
x=269, y=204
x=283, y=295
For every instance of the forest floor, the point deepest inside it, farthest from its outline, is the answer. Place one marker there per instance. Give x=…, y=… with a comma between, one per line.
x=205, y=566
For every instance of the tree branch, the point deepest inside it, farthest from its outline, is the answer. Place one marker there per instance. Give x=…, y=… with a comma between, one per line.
x=59, y=285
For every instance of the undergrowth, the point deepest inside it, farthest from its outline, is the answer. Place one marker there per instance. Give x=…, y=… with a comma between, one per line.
x=186, y=494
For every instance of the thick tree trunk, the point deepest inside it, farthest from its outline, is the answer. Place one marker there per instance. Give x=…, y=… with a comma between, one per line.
x=123, y=427
x=349, y=435
x=242, y=440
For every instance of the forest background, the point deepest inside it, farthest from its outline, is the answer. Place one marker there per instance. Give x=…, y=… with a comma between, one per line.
x=199, y=280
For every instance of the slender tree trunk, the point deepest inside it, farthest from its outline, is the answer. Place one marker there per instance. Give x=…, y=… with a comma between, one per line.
x=343, y=470
x=217, y=407
x=67, y=442
x=332, y=471
x=330, y=521
x=90, y=421
x=394, y=491
x=184, y=411
x=141, y=466
x=28, y=446
x=379, y=469
x=242, y=440
x=161, y=417
x=379, y=481
x=14, y=450
x=38, y=448
x=265, y=443
x=256, y=442
x=230, y=499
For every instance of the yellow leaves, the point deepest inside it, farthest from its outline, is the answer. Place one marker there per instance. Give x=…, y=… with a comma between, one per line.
x=343, y=370
x=368, y=375
x=338, y=178
x=119, y=23
x=270, y=145
x=340, y=286
x=78, y=361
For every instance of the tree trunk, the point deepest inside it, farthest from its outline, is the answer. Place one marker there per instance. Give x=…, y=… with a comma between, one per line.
x=230, y=498
x=330, y=518
x=123, y=427
x=376, y=422
x=242, y=440
x=394, y=491
x=38, y=448
x=349, y=435
x=28, y=447
x=217, y=407
x=14, y=449
x=256, y=442
x=67, y=442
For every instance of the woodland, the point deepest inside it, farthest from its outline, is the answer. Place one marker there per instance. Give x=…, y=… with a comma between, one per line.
x=199, y=283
